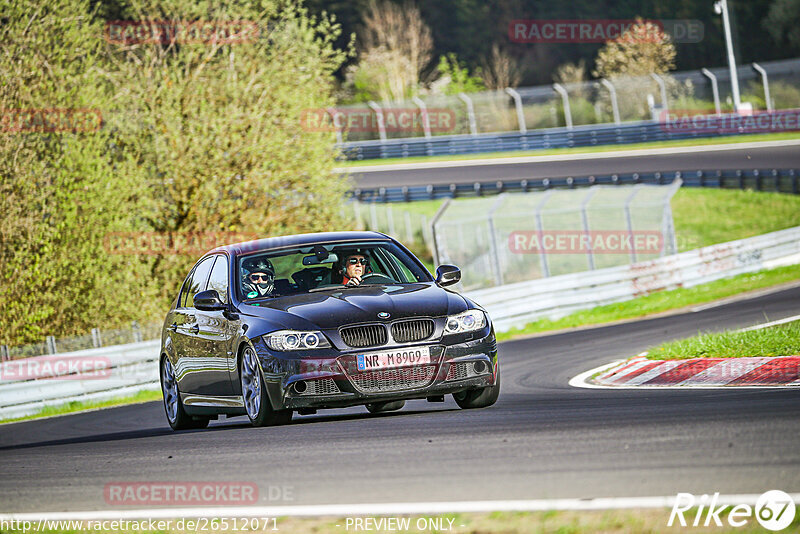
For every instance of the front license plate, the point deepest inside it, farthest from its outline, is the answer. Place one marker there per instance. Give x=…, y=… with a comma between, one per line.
x=393, y=358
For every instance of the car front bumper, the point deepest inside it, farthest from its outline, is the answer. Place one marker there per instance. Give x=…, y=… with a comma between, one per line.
x=333, y=382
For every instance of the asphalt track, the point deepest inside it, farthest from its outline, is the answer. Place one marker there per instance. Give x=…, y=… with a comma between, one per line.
x=775, y=157
x=543, y=439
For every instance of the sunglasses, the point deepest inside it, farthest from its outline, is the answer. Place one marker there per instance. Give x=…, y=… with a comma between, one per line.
x=356, y=261
x=259, y=277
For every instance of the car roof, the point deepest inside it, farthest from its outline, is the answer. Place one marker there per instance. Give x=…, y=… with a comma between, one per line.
x=298, y=240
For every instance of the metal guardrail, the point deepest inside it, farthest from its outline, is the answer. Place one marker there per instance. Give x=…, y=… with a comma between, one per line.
x=771, y=180
x=578, y=136
x=515, y=305
x=30, y=384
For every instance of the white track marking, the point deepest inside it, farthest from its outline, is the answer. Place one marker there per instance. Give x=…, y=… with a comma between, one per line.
x=726, y=370
x=344, y=510
x=515, y=160
x=767, y=325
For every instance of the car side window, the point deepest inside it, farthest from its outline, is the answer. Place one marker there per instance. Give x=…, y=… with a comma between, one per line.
x=219, y=278
x=185, y=290
x=199, y=279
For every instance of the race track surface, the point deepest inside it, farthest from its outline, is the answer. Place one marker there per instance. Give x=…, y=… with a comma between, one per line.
x=742, y=158
x=543, y=439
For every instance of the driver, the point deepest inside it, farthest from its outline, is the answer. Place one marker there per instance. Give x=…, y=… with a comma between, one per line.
x=353, y=268
x=258, y=277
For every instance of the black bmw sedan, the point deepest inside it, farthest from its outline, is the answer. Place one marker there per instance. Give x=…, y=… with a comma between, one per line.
x=306, y=322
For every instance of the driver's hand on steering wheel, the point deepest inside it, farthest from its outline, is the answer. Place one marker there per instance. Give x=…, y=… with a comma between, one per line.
x=353, y=282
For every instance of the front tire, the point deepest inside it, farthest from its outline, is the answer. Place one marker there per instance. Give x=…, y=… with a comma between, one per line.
x=177, y=417
x=380, y=407
x=479, y=398
x=254, y=393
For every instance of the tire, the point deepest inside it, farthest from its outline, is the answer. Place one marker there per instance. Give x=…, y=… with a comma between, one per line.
x=479, y=398
x=177, y=417
x=380, y=407
x=254, y=393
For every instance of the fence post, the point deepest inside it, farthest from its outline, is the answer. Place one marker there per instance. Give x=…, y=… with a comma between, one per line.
x=96, y=340
x=765, y=80
x=379, y=115
x=390, y=220
x=585, y=219
x=436, y=218
x=614, y=105
x=714, y=88
x=565, y=102
x=629, y=220
x=373, y=215
x=520, y=112
x=4, y=355
x=426, y=121
x=336, y=126
x=663, y=86
x=409, y=232
x=493, y=245
x=51, y=344
x=137, y=334
x=473, y=125
x=540, y=231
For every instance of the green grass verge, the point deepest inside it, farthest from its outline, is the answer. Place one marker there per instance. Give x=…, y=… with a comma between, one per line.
x=781, y=340
x=82, y=406
x=635, y=521
x=662, y=301
x=578, y=150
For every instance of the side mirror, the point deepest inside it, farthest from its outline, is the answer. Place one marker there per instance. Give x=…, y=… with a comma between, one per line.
x=447, y=275
x=208, y=301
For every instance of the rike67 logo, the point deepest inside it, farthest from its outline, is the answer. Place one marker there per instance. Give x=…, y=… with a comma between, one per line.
x=774, y=510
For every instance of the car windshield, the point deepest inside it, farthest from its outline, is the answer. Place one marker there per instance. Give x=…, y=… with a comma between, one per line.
x=323, y=267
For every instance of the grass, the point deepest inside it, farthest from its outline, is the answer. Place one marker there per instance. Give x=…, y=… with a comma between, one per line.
x=578, y=150
x=662, y=301
x=82, y=406
x=635, y=521
x=706, y=217
x=781, y=340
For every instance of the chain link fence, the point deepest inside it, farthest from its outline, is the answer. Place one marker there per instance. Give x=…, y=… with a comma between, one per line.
x=515, y=237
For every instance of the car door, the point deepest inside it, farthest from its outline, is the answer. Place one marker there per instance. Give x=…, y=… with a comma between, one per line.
x=215, y=336
x=190, y=368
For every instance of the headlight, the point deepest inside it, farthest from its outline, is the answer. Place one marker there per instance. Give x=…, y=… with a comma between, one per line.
x=284, y=340
x=465, y=322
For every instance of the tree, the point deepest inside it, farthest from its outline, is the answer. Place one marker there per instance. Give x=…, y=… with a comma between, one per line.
x=396, y=47
x=641, y=50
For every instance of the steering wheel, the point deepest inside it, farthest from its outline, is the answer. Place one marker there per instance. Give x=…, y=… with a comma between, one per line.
x=377, y=275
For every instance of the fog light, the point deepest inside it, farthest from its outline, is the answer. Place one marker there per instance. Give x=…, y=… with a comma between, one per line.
x=300, y=387
x=479, y=367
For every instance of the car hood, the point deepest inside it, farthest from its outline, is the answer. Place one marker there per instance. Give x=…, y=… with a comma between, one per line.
x=334, y=308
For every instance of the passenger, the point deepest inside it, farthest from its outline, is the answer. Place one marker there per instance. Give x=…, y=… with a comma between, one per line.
x=259, y=277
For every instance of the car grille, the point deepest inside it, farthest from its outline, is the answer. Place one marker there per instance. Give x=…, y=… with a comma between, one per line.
x=364, y=336
x=394, y=379
x=323, y=386
x=414, y=330
x=462, y=370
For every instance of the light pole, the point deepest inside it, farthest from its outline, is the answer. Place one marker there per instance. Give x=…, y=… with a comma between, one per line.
x=721, y=8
